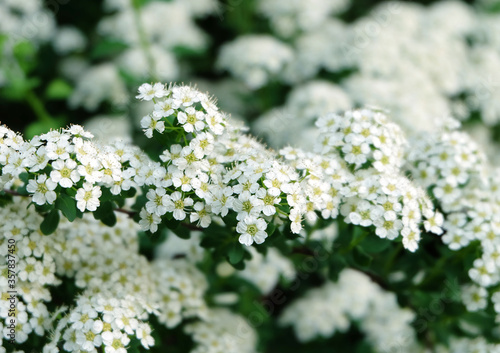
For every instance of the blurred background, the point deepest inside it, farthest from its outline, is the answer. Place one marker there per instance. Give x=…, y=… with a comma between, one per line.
x=275, y=64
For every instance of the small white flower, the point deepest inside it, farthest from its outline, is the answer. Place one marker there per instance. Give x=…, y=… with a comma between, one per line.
x=42, y=189
x=87, y=197
x=178, y=204
x=148, y=92
x=252, y=229
x=149, y=123
x=149, y=221
x=64, y=173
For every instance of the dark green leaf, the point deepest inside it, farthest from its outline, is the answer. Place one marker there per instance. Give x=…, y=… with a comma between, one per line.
x=106, y=214
x=67, y=205
x=182, y=231
x=235, y=254
x=50, y=222
x=107, y=49
x=361, y=258
x=58, y=89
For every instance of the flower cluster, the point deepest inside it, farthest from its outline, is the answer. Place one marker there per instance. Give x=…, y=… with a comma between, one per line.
x=294, y=121
x=465, y=345
x=451, y=166
x=66, y=163
x=265, y=59
x=35, y=271
x=104, y=263
x=390, y=203
x=363, y=138
x=222, y=331
x=260, y=188
x=330, y=308
x=265, y=271
x=289, y=18
x=102, y=321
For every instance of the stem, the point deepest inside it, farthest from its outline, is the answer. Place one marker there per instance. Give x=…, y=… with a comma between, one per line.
x=38, y=108
x=131, y=214
x=12, y=192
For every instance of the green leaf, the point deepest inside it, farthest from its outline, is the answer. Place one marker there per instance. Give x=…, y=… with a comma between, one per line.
x=209, y=241
x=24, y=177
x=361, y=257
x=235, y=254
x=58, y=89
x=106, y=194
x=271, y=227
x=106, y=214
x=17, y=89
x=25, y=53
x=67, y=205
x=50, y=222
x=373, y=244
x=107, y=49
x=182, y=231
x=129, y=193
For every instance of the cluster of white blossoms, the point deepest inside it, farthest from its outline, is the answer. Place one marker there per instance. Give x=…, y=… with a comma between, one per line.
x=100, y=323
x=66, y=162
x=328, y=309
x=261, y=188
x=265, y=271
x=461, y=80
x=106, y=260
x=465, y=187
x=210, y=170
x=467, y=345
x=295, y=16
x=294, y=121
x=264, y=59
x=362, y=138
x=164, y=26
x=34, y=267
x=28, y=21
x=222, y=332
x=215, y=169
x=368, y=197
x=120, y=287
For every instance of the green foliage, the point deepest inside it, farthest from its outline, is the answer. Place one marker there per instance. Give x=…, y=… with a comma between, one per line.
x=50, y=222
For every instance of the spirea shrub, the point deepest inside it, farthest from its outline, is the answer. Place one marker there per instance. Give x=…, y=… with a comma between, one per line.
x=83, y=281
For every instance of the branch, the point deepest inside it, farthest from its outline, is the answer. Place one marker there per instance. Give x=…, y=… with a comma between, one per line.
x=131, y=214
x=12, y=192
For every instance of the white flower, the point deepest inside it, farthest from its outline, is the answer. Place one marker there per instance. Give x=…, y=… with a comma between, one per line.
x=411, y=237
x=433, y=224
x=474, y=297
x=201, y=215
x=115, y=341
x=158, y=200
x=185, y=96
x=252, y=229
x=191, y=120
x=143, y=333
x=163, y=109
x=87, y=197
x=149, y=123
x=149, y=221
x=178, y=204
x=296, y=218
x=148, y=92
x=42, y=189
x=64, y=173
x=60, y=149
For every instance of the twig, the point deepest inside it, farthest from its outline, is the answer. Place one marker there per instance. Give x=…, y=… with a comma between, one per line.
x=12, y=192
